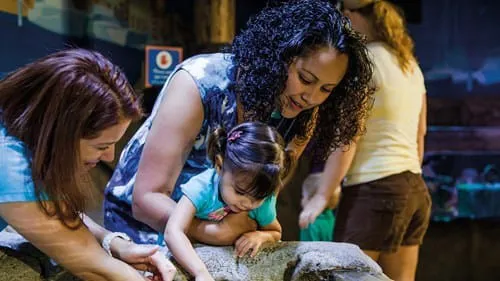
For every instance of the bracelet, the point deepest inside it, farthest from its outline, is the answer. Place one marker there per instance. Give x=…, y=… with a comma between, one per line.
x=106, y=242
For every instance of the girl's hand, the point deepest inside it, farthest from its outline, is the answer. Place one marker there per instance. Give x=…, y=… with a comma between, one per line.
x=250, y=241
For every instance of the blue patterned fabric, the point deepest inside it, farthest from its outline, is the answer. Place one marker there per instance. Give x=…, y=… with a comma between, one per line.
x=213, y=74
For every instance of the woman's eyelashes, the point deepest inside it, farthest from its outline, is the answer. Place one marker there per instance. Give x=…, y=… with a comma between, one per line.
x=308, y=81
x=326, y=90
x=304, y=80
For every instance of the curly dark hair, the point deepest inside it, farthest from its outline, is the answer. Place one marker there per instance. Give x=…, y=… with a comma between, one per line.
x=279, y=34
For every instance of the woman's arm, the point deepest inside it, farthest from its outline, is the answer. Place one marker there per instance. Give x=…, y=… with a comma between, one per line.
x=77, y=250
x=310, y=187
x=422, y=129
x=178, y=242
x=141, y=257
x=336, y=168
x=169, y=142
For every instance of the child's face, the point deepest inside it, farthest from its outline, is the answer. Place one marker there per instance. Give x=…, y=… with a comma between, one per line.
x=233, y=196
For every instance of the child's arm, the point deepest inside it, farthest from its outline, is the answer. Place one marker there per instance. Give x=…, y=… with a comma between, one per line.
x=253, y=241
x=179, y=244
x=224, y=232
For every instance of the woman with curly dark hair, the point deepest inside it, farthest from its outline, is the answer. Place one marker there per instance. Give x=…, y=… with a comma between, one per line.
x=385, y=204
x=298, y=66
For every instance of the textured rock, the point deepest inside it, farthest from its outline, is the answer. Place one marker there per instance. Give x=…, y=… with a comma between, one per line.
x=307, y=261
x=19, y=260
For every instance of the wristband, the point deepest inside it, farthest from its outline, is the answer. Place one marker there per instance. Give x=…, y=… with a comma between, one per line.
x=106, y=242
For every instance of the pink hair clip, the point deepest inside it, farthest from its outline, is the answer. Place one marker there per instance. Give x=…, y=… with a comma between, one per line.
x=234, y=136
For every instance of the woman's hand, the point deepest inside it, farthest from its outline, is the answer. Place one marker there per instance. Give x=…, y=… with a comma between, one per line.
x=146, y=258
x=312, y=209
x=314, y=202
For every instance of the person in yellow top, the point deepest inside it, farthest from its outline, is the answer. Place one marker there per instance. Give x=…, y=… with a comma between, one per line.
x=385, y=204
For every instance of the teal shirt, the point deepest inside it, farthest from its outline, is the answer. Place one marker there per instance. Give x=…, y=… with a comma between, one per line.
x=202, y=190
x=16, y=182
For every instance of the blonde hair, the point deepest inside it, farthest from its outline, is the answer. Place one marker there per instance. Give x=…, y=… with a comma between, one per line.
x=390, y=27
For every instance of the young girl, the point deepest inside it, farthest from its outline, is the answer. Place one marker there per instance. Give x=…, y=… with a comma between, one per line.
x=250, y=163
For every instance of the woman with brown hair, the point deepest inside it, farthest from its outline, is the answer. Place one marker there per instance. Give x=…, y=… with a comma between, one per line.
x=385, y=204
x=60, y=116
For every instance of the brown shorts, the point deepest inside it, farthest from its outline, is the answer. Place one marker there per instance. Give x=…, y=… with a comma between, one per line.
x=384, y=214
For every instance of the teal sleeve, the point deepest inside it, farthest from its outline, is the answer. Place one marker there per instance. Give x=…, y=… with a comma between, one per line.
x=199, y=189
x=266, y=213
x=16, y=182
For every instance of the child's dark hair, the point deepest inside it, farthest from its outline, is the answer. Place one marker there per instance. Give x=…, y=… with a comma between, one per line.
x=255, y=154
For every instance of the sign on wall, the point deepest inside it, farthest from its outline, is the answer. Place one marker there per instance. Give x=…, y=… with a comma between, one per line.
x=160, y=62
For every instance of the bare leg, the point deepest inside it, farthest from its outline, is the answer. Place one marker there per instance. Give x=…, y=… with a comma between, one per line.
x=401, y=265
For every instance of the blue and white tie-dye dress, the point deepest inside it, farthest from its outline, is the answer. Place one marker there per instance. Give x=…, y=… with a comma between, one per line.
x=213, y=74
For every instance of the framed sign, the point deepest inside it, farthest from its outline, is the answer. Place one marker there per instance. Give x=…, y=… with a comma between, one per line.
x=160, y=62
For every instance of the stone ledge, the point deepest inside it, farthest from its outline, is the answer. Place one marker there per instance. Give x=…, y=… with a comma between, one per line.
x=290, y=261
